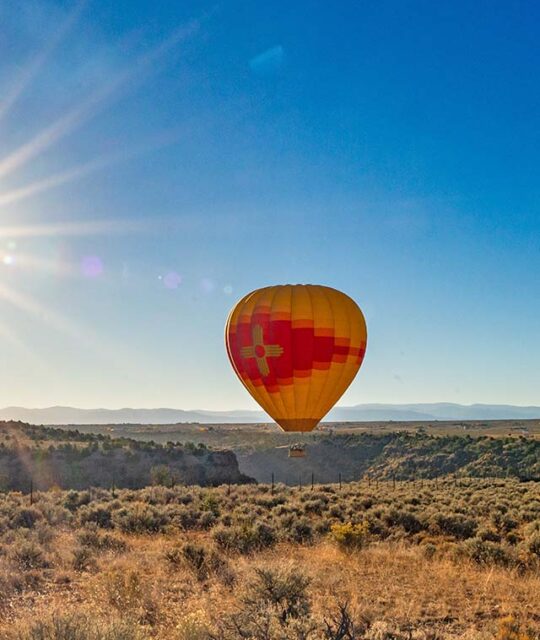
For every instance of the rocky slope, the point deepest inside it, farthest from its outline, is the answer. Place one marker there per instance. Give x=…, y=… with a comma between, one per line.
x=43, y=458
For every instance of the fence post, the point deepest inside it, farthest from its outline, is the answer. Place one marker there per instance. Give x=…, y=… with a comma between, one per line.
x=31, y=491
x=340, y=480
x=312, y=480
x=272, y=483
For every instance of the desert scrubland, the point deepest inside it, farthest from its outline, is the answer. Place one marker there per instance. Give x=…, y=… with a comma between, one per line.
x=378, y=560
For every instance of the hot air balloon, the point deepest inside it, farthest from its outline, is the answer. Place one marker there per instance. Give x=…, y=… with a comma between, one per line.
x=296, y=349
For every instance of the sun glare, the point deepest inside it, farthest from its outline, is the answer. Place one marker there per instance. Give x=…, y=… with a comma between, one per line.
x=13, y=163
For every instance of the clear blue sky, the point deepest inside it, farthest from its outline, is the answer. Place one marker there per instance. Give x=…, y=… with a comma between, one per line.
x=159, y=160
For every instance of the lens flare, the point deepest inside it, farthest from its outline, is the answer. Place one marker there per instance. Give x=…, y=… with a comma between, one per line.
x=268, y=61
x=207, y=285
x=172, y=280
x=113, y=88
x=91, y=266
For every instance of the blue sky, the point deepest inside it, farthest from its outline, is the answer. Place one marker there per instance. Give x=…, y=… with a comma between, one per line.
x=160, y=160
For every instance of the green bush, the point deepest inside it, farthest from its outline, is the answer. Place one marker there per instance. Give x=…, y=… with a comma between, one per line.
x=486, y=552
x=28, y=555
x=196, y=557
x=487, y=533
x=458, y=526
x=98, y=514
x=245, y=538
x=25, y=517
x=300, y=530
x=83, y=560
x=187, y=517
x=75, y=499
x=140, y=518
x=533, y=544
x=207, y=520
x=315, y=506
x=284, y=591
x=405, y=519
x=92, y=538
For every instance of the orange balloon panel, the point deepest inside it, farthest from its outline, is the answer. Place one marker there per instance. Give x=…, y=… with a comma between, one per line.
x=296, y=348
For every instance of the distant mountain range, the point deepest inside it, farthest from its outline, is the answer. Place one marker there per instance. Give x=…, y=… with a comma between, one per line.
x=358, y=413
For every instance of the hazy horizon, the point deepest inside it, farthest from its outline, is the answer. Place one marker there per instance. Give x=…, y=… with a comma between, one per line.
x=363, y=413
x=159, y=162
x=240, y=409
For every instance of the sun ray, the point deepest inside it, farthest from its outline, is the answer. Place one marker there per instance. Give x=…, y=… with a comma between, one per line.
x=32, y=69
x=63, y=177
x=44, y=265
x=78, y=330
x=114, y=354
x=39, y=186
x=28, y=304
x=187, y=221
x=90, y=107
x=9, y=336
x=75, y=228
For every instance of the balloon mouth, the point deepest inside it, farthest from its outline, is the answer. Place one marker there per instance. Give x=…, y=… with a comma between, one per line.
x=298, y=424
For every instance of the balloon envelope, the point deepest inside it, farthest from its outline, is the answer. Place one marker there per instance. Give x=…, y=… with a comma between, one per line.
x=296, y=348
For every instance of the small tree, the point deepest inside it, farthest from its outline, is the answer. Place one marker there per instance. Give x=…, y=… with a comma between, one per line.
x=161, y=475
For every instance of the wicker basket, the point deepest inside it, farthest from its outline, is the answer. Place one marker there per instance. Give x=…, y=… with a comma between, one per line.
x=296, y=452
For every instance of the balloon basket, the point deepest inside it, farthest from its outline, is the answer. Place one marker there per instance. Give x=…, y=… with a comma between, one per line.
x=297, y=451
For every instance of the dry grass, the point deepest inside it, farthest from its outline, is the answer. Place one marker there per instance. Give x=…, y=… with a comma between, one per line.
x=399, y=584
x=391, y=587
